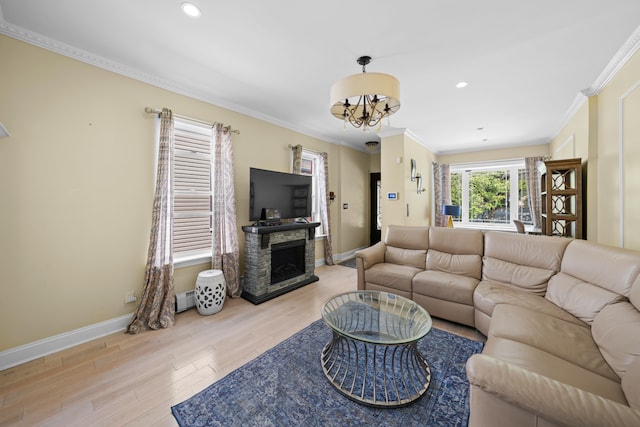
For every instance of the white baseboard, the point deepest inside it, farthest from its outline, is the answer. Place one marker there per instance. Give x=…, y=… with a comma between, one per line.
x=26, y=353
x=338, y=258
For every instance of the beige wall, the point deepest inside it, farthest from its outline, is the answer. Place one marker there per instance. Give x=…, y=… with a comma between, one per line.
x=76, y=188
x=411, y=208
x=606, y=131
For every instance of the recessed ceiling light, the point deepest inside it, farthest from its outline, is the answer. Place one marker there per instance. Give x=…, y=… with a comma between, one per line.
x=190, y=9
x=460, y=85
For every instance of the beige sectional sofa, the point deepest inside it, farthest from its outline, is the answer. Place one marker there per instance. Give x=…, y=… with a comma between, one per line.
x=561, y=316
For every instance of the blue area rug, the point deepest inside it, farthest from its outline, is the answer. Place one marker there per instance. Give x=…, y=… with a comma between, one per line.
x=286, y=386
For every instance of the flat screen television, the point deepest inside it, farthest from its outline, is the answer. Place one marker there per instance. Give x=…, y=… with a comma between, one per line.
x=288, y=193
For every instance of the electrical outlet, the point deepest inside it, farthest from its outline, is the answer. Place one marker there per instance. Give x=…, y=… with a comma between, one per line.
x=130, y=297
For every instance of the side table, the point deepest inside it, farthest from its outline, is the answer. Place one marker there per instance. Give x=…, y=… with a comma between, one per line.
x=210, y=292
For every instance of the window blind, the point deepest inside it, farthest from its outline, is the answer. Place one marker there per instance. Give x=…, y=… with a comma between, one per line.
x=192, y=228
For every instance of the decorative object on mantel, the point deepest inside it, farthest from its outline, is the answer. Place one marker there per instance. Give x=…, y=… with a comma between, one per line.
x=450, y=211
x=365, y=99
x=211, y=290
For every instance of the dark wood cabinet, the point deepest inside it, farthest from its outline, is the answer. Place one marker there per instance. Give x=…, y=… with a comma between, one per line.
x=561, y=191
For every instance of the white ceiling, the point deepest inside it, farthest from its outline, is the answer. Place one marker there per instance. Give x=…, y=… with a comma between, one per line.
x=526, y=63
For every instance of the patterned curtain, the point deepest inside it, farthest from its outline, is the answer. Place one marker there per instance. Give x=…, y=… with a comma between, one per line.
x=532, y=177
x=157, y=306
x=323, y=188
x=225, y=255
x=297, y=159
x=441, y=191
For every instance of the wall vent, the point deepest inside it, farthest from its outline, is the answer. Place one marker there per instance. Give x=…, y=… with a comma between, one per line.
x=185, y=301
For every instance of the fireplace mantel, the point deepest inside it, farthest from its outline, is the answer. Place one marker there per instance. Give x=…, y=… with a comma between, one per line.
x=259, y=243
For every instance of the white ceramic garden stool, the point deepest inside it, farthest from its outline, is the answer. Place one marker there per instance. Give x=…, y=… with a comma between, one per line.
x=211, y=290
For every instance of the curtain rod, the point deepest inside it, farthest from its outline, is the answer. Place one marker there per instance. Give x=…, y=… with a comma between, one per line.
x=150, y=110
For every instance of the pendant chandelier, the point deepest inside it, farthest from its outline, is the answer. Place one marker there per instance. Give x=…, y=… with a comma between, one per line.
x=365, y=99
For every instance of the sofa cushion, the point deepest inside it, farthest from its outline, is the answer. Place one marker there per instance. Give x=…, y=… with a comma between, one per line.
x=410, y=257
x=541, y=252
x=445, y=286
x=488, y=294
x=456, y=240
x=631, y=385
x=408, y=237
x=393, y=276
x=565, y=340
x=579, y=298
x=614, y=330
x=535, y=360
x=607, y=267
x=526, y=278
x=466, y=265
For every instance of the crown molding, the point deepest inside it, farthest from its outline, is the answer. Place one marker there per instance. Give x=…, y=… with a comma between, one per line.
x=72, y=52
x=623, y=55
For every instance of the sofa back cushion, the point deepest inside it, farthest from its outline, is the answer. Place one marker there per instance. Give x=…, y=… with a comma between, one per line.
x=456, y=240
x=407, y=245
x=464, y=265
x=408, y=237
x=608, y=267
x=616, y=331
x=579, y=298
x=524, y=261
x=456, y=251
x=410, y=257
x=591, y=277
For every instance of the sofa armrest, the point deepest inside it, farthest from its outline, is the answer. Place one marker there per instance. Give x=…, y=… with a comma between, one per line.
x=367, y=257
x=371, y=255
x=548, y=398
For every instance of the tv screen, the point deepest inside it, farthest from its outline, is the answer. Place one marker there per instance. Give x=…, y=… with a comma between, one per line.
x=288, y=193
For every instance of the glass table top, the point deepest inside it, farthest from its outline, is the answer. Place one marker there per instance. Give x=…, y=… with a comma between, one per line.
x=376, y=317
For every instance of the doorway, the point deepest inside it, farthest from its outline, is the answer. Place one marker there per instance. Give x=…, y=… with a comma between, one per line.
x=375, y=210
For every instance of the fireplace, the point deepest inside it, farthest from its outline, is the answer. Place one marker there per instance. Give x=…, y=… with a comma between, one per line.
x=278, y=259
x=287, y=260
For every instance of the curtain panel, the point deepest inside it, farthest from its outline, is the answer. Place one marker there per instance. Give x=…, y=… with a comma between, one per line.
x=441, y=191
x=532, y=178
x=323, y=188
x=226, y=253
x=157, y=303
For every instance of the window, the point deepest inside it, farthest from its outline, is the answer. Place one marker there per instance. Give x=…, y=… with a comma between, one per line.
x=193, y=202
x=310, y=166
x=490, y=194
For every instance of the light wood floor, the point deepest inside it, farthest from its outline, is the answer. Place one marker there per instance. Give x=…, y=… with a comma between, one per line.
x=134, y=380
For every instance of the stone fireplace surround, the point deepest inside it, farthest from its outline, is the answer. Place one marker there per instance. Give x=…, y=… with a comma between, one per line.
x=259, y=241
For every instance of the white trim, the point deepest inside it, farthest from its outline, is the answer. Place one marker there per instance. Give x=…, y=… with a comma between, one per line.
x=623, y=55
x=44, y=42
x=621, y=155
x=25, y=353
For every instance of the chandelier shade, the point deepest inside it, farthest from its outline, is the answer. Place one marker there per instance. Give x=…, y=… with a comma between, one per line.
x=365, y=99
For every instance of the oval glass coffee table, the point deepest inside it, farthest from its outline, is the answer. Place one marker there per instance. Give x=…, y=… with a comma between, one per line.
x=372, y=356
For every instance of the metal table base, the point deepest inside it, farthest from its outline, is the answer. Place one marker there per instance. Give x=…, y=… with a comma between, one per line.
x=376, y=374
